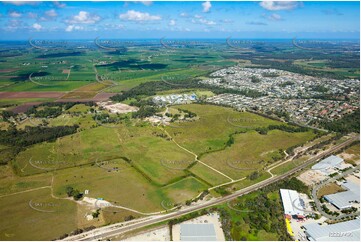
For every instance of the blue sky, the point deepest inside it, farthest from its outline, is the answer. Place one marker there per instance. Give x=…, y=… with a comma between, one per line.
x=200, y=19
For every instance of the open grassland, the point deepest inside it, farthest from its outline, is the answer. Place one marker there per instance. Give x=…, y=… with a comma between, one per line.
x=47, y=86
x=154, y=154
x=184, y=189
x=211, y=130
x=289, y=165
x=71, y=118
x=11, y=183
x=148, y=149
x=252, y=151
x=125, y=187
x=328, y=189
x=208, y=175
x=81, y=148
x=36, y=216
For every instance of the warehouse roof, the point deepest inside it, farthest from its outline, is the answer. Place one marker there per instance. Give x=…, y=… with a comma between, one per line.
x=329, y=162
x=345, y=231
x=291, y=202
x=197, y=232
x=343, y=199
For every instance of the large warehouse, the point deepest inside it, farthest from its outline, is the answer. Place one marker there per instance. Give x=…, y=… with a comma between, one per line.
x=343, y=200
x=345, y=231
x=197, y=232
x=292, y=204
x=327, y=165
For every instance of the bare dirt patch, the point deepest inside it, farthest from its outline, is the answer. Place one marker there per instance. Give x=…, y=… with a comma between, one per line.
x=31, y=94
x=117, y=107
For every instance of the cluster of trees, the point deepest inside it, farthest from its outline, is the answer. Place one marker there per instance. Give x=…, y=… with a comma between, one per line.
x=254, y=175
x=270, y=74
x=71, y=192
x=75, y=232
x=347, y=124
x=6, y=115
x=320, y=88
x=268, y=213
x=145, y=111
x=287, y=83
x=106, y=118
x=188, y=114
x=286, y=128
x=19, y=139
x=33, y=135
x=349, y=210
x=328, y=211
x=47, y=112
x=255, y=79
x=53, y=109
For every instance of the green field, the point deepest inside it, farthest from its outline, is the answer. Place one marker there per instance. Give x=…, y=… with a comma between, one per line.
x=36, y=214
x=211, y=130
x=137, y=165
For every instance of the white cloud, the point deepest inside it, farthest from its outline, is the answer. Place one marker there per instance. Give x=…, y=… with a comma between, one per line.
x=183, y=15
x=206, y=6
x=207, y=22
x=280, y=5
x=197, y=16
x=203, y=21
x=83, y=18
x=59, y=4
x=20, y=3
x=275, y=17
x=51, y=13
x=132, y=15
x=37, y=27
x=172, y=22
x=272, y=17
x=70, y=28
x=147, y=3
x=14, y=14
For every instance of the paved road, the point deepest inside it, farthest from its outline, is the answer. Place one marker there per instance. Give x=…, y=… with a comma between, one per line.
x=112, y=230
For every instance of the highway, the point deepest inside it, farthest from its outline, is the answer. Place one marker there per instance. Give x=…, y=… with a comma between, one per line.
x=116, y=229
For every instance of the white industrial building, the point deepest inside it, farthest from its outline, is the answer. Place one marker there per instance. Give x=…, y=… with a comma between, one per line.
x=197, y=232
x=292, y=204
x=344, y=231
x=343, y=200
x=328, y=165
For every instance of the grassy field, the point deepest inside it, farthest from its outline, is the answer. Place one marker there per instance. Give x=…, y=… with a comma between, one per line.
x=11, y=183
x=137, y=165
x=252, y=151
x=330, y=188
x=211, y=130
x=36, y=216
